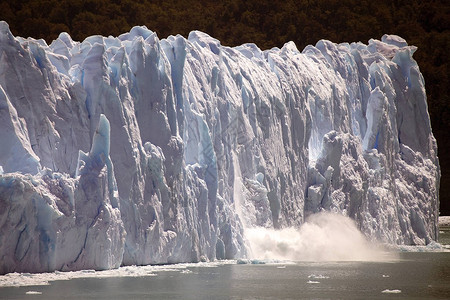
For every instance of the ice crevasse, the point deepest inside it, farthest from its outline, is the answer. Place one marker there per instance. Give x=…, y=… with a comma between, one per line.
x=132, y=150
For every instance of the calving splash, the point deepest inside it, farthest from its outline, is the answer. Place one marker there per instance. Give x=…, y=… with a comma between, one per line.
x=323, y=237
x=136, y=150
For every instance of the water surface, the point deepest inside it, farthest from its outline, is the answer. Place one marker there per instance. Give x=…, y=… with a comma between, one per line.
x=414, y=275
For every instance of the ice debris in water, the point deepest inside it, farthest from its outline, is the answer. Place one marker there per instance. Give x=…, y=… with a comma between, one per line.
x=313, y=276
x=33, y=293
x=388, y=291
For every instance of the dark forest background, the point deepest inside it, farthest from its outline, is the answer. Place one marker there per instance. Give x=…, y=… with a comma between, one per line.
x=267, y=23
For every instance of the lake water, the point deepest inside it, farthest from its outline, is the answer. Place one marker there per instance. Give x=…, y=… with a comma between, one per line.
x=413, y=275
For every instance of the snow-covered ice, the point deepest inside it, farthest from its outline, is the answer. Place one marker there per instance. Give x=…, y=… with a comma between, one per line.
x=133, y=150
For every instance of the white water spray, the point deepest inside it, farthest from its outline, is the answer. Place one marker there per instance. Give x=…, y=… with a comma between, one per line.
x=323, y=237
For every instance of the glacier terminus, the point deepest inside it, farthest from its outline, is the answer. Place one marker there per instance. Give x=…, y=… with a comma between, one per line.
x=135, y=150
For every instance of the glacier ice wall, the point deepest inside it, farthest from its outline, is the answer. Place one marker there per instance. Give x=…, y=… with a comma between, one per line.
x=135, y=150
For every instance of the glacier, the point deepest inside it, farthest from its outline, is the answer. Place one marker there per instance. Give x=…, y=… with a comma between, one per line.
x=135, y=150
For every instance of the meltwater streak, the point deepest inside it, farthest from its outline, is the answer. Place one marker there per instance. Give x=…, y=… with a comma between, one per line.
x=323, y=237
x=237, y=188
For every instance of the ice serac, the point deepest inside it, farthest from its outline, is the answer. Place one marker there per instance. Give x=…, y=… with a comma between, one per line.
x=134, y=150
x=54, y=222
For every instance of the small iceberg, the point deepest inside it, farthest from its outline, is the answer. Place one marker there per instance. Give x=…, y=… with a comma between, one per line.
x=387, y=291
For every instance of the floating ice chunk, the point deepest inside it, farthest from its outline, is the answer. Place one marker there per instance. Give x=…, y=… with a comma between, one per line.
x=313, y=276
x=388, y=291
x=243, y=261
x=33, y=293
